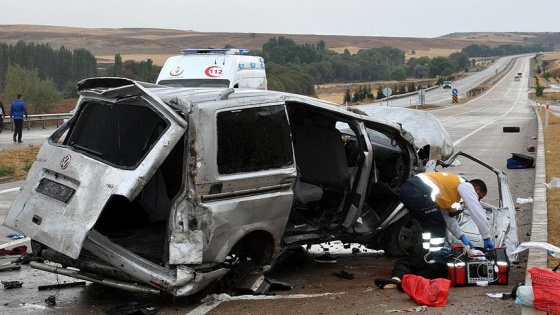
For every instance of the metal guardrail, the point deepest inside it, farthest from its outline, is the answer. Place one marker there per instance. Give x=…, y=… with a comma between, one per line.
x=43, y=118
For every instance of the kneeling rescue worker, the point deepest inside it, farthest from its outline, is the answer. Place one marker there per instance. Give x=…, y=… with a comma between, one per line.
x=433, y=199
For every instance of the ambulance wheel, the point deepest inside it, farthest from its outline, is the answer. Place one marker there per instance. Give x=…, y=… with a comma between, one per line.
x=403, y=238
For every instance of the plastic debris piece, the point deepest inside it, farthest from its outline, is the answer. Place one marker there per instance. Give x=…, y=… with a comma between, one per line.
x=343, y=274
x=61, y=285
x=525, y=295
x=51, y=300
x=12, y=284
x=16, y=236
x=551, y=249
x=524, y=200
x=19, y=250
x=554, y=183
x=10, y=267
x=418, y=309
x=134, y=308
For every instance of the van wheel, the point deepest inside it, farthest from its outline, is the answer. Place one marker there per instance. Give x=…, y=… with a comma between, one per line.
x=404, y=238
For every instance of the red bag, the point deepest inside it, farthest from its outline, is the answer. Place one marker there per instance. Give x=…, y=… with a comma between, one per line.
x=426, y=292
x=546, y=288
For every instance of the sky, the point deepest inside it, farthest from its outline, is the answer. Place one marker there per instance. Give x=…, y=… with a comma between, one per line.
x=391, y=18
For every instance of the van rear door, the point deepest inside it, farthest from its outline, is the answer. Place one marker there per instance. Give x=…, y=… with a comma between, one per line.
x=117, y=139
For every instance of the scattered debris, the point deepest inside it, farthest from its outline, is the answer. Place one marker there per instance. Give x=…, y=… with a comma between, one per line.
x=511, y=129
x=520, y=161
x=25, y=259
x=134, y=308
x=61, y=285
x=554, y=183
x=524, y=200
x=343, y=274
x=16, y=236
x=12, y=284
x=551, y=249
x=19, y=250
x=525, y=296
x=51, y=300
x=418, y=309
x=10, y=266
x=256, y=283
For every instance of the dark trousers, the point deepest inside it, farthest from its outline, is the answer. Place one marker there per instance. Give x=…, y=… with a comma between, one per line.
x=416, y=197
x=418, y=266
x=18, y=129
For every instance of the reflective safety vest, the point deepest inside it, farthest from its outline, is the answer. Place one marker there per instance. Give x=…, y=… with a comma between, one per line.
x=444, y=189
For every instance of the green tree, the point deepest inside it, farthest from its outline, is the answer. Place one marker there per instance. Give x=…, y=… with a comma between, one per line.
x=440, y=66
x=40, y=95
x=347, y=96
x=460, y=60
x=398, y=73
x=20, y=81
x=118, y=66
x=44, y=97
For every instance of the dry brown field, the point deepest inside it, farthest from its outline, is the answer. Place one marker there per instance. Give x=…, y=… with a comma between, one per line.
x=144, y=43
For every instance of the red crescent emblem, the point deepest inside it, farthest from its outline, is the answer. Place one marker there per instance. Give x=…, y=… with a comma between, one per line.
x=176, y=72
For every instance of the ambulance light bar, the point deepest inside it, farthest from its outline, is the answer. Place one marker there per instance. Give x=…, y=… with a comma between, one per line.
x=222, y=51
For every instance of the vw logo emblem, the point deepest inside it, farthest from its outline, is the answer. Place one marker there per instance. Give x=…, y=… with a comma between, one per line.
x=65, y=161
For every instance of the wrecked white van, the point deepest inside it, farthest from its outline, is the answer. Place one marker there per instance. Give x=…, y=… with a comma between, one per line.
x=151, y=188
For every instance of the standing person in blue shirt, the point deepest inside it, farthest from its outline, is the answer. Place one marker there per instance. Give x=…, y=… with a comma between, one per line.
x=17, y=111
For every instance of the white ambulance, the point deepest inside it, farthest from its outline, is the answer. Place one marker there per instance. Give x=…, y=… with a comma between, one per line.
x=227, y=68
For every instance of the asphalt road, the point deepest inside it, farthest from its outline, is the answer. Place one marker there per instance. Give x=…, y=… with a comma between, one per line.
x=475, y=127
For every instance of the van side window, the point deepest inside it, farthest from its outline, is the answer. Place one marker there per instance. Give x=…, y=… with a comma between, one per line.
x=253, y=139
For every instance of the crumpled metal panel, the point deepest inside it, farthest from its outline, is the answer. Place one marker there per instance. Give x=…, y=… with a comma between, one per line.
x=424, y=126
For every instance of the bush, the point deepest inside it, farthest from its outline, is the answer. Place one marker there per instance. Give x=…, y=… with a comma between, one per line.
x=6, y=170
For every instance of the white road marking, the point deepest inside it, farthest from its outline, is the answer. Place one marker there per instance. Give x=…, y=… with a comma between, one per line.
x=5, y=191
x=208, y=306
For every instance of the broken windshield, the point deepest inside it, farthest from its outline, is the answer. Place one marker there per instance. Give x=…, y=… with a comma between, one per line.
x=120, y=134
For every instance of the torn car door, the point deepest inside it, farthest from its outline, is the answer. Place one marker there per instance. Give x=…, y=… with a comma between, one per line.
x=501, y=217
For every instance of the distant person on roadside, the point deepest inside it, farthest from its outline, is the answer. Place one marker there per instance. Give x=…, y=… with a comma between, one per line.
x=2, y=115
x=17, y=111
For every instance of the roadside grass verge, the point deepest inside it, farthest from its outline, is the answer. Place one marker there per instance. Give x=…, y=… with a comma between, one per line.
x=552, y=156
x=15, y=163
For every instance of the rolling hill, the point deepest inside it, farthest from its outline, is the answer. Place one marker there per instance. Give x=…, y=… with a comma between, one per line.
x=158, y=44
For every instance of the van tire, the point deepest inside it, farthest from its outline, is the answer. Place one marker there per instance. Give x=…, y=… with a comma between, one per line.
x=403, y=238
